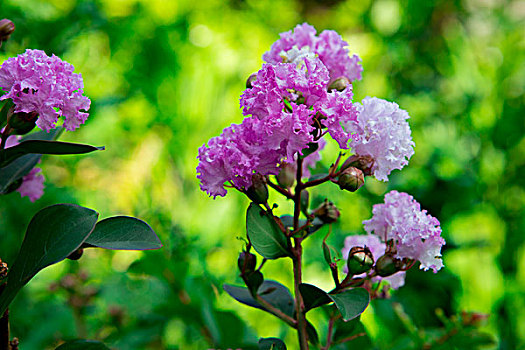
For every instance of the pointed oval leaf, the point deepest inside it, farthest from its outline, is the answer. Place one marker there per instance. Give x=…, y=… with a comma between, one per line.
x=312, y=296
x=273, y=292
x=271, y=344
x=82, y=344
x=23, y=165
x=52, y=235
x=351, y=303
x=123, y=233
x=8, y=155
x=264, y=234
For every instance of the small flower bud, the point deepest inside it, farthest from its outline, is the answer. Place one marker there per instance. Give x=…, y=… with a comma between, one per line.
x=351, y=179
x=22, y=122
x=246, y=262
x=77, y=254
x=258, y=191
x=327, y=212
x=3, y=269
x=7, y=27
x=364, y=163
x=286, y=176
x=360, y=260
x=339, y=84
x=251, y=79
x=386, y=266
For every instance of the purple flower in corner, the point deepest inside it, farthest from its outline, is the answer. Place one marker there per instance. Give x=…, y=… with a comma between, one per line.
x=415, y=234
x=45, y=85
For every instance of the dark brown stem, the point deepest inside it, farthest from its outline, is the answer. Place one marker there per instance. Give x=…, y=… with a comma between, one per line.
x=276, y=312
x=297, y=261
x=344, y=340
x=329, y=334
x=281, y=190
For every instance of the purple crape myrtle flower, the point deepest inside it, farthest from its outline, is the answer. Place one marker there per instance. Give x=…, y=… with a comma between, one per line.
x=288, y=85
x=257, y=146
x=377, y=248
x=415, y=234
x=328, y=46
x=33, y=183
x=45, y=85
x=382, y=134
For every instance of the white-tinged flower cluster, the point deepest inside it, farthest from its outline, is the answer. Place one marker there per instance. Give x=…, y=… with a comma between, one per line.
x=416, y=234
x=382, y=133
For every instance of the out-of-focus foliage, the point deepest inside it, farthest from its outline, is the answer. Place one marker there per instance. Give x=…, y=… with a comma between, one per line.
x=165, y=76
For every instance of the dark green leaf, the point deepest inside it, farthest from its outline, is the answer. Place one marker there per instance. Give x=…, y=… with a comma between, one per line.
x=351, y=303
x=81, y=344
x=264, y=234
x=271, y=344
x=312, y=296
x=8, y=155
x=23, y=165
x=123, y=233
x=352, y=328
x=287, y=221
x=273, y=292
x=52, y=235
x=313, y=337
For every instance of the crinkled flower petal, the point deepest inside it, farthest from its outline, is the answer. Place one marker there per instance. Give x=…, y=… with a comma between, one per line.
x=416, y=234
x=382, y=132
x=328, y=46
x=46, y=85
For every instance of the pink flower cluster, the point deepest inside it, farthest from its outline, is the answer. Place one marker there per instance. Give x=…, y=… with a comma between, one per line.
x=382, y=133
x=46, y=85
x=415, y=234
x=328, y=46
x=284, y=109
x=377, y=248
x=290, y=104
x=33, y=183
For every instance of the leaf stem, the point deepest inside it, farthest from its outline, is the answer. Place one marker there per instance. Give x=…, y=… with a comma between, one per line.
x=329, y=334
x=275, y=311
x=279, y=189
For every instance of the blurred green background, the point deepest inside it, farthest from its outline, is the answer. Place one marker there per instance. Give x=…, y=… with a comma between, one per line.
x=165, y=76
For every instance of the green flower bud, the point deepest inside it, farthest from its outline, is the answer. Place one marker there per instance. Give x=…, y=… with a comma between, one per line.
x=360, y=260
x=258, y=191
x=286, y=176
x=363, y=163
x=386, y=266
x=250, y=80
x=246, y=262
x=339, y=84
x=7, y=27
x=327, y=212
x=351, y=179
